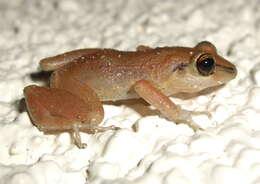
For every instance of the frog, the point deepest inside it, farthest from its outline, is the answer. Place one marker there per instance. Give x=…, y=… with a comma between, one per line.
x=82, y=79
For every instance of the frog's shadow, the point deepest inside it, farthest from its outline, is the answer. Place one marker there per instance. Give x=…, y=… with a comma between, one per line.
x=41, y=76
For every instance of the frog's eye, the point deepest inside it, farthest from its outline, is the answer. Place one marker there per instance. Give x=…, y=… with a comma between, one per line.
x=205, y=64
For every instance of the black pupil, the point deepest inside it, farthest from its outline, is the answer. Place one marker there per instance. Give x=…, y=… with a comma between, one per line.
x=206, y=65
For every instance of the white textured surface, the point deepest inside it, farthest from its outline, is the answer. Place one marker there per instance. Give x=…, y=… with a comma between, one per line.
x=228, y=151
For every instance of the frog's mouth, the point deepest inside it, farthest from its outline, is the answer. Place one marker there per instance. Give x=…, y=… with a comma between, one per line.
x=231, y=70
x=225, y=73
x=188, y=95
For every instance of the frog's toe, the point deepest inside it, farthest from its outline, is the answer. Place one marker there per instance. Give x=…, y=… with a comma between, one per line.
x=197, y=113
x=185, y=117
x=195, y=127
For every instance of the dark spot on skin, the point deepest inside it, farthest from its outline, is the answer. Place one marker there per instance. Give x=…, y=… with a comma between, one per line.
x=180, y=66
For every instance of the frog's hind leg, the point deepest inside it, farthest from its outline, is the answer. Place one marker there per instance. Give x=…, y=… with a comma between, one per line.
x=64, y=80
x=81, y=90
x=59, y=110
x=55, y=62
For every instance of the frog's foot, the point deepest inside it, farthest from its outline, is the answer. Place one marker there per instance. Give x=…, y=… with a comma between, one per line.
x=197, y=113
x=185, y=116
x=77, y=139
x=195, y=127
x=89, y=129
x=95, y=129
x=150, y=93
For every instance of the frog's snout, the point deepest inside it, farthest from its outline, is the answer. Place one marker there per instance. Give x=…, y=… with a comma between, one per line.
x=226, y=72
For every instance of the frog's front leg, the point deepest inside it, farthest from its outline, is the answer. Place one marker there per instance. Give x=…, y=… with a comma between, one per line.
x=168, y=109
x=67, y=106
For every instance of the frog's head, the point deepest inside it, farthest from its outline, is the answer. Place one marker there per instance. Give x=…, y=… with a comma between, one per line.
x=205, y=69
x=207, y=63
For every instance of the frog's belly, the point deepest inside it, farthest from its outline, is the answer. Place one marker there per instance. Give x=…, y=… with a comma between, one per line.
x=112, y=92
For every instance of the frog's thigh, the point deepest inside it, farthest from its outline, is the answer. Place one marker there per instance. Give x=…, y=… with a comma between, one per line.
x=81, y=90
x=53, y=109
x=57, y=110
x=156, y=98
